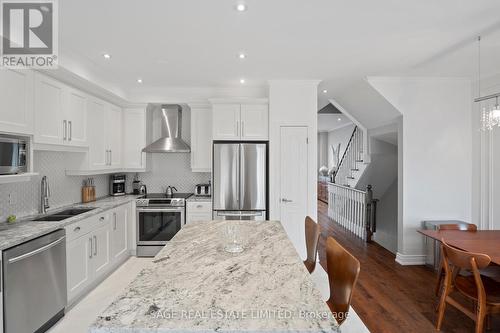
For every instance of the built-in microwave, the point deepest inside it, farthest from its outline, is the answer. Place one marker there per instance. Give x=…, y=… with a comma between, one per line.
x=13, y=154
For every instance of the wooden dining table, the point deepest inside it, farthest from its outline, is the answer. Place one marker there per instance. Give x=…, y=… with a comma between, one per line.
x=481, y=241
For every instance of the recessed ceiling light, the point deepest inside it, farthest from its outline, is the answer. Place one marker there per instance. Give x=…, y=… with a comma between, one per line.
x=241, y=7
x=242, y=81
x=325, y=91
x=339, y=119
x=139, y=80
x=242, y=55
x=107, y=56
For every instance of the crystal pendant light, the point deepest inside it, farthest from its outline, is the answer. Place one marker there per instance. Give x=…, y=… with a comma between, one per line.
x=490, y=118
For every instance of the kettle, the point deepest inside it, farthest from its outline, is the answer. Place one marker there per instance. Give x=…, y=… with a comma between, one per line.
x=170, y=191
x=143, y=189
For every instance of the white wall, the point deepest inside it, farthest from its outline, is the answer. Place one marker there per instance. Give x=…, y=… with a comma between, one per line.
x=387, y=219
x=436, y=154
x=339, y=135
x=293, y=103
x=322, y=149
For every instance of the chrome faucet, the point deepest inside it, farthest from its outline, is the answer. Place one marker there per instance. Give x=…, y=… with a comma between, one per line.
x=44, y=195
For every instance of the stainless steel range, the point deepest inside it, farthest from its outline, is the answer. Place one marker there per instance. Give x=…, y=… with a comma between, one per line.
x=159, y=218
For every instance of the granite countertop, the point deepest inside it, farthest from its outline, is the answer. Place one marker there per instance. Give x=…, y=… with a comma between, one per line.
x=26, y=229
x=195, y=286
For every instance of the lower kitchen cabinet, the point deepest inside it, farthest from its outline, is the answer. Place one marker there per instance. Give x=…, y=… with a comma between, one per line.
x=198, y=211
x=119, y=232
x=94, y=247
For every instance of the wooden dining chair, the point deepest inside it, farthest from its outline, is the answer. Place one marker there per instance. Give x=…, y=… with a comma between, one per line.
x=312, y=239
x=461, y=227
x=343, y=271
x=484, y=292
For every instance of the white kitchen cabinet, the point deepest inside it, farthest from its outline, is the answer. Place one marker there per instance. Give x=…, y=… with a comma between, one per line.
x=254, y=122
x=98, y=148
x=76, y=114
x=201, y=139
x=119, y=232
x=226, y=122
x=78, y=271
x=240, y=121
x=50, y=123
x=16, y=101
x=134, y=139
x=198, y=211
x=60, y=114
x=114, y=135
x=101, y=258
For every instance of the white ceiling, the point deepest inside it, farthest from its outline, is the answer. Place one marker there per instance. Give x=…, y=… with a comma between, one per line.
x=329, y=122
x=195, y=43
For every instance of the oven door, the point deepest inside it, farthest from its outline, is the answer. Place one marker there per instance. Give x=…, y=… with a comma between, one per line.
x=156, y=226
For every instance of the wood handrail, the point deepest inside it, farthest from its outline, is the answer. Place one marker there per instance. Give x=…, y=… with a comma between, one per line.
x=345, y=152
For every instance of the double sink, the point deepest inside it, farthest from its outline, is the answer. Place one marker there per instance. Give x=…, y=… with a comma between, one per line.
x=63, y=215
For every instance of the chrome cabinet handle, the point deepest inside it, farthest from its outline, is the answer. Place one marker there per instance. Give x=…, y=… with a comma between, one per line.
x=70, y=135
x=199, y=206
x=101, y=218
x=237, y=129
x=285, y=200
x=114, y=216
x=95, y=245
x=65, y=130
x=110, y=157
x=77, y=229
x=91, y=245
x=242, y=128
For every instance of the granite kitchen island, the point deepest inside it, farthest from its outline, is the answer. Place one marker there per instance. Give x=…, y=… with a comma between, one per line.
x=195, y=286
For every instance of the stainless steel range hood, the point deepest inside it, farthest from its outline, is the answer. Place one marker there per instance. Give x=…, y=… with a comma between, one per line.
x=171, y=125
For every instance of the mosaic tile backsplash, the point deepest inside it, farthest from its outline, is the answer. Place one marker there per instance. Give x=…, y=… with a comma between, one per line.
x=23, y=198
x=64, y=190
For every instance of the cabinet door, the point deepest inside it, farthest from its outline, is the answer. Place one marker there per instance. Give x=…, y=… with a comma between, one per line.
x=101, y=250
x=78, y=271
x=226, y=122
x=119, y=232
x=114, y=135
x=50, y=124
x=96, y=113
x=134, y=138
x=76, y=114
x=16, y=101
x=201, y=140
x=254, y=122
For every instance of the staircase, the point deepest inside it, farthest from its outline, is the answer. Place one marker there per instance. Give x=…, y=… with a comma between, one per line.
x=352, y=164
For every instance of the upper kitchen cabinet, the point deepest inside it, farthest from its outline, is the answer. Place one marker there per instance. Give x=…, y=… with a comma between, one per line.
x=16, y=101
x=134, y=139
x=114, y=135
x=226, y=122
x=60, y=115
x=98, y=148
x=240, y=119
x=201, y=138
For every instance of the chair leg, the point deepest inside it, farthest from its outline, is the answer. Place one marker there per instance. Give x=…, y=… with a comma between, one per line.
x=480, y=322
x=441, y=309
x=439, y=284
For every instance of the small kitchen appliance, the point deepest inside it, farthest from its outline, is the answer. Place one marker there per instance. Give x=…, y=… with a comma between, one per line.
x=202, y=190
x=117, y=185
x=136, y=185
x=159, y=218
x=13, y=155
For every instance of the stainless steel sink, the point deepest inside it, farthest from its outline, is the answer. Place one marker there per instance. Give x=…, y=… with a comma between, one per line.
x=63, y=215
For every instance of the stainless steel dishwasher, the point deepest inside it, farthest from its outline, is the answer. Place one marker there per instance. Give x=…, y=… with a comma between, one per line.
x=34, y=282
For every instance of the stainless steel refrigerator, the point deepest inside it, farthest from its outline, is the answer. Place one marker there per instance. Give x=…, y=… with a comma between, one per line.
x=240, y=181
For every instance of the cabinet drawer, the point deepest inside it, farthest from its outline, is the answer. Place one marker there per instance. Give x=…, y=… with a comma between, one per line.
x=80, y=228
x=193, y=218
x=197, y=207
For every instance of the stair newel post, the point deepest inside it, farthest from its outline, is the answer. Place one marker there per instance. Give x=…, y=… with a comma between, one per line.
x=370, y=216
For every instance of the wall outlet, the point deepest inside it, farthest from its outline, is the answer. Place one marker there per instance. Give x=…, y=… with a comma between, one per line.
x=12, y=198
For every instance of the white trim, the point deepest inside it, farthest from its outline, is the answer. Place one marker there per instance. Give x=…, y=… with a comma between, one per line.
x=410, y=259
x=21, y=177
x=238, y=100
x=63, y=148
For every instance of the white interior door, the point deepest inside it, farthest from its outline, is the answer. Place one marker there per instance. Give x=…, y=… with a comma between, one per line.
x=293, y=184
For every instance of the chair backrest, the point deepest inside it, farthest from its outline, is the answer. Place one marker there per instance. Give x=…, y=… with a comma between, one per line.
x=312, y=239
x=463, y=227
x=463, y=259
x=343, y=271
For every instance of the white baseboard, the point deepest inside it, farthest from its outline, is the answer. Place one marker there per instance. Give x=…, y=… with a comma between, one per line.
x=410, y=259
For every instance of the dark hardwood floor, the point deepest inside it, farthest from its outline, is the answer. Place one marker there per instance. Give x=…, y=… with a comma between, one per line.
x=390, y=297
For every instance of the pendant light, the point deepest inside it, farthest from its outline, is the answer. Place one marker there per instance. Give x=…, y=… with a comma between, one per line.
x=490, y=116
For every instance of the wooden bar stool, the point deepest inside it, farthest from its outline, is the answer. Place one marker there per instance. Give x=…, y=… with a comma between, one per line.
x=469, y=227
x=484, y=292
x=343, y=271
x=312, y=239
